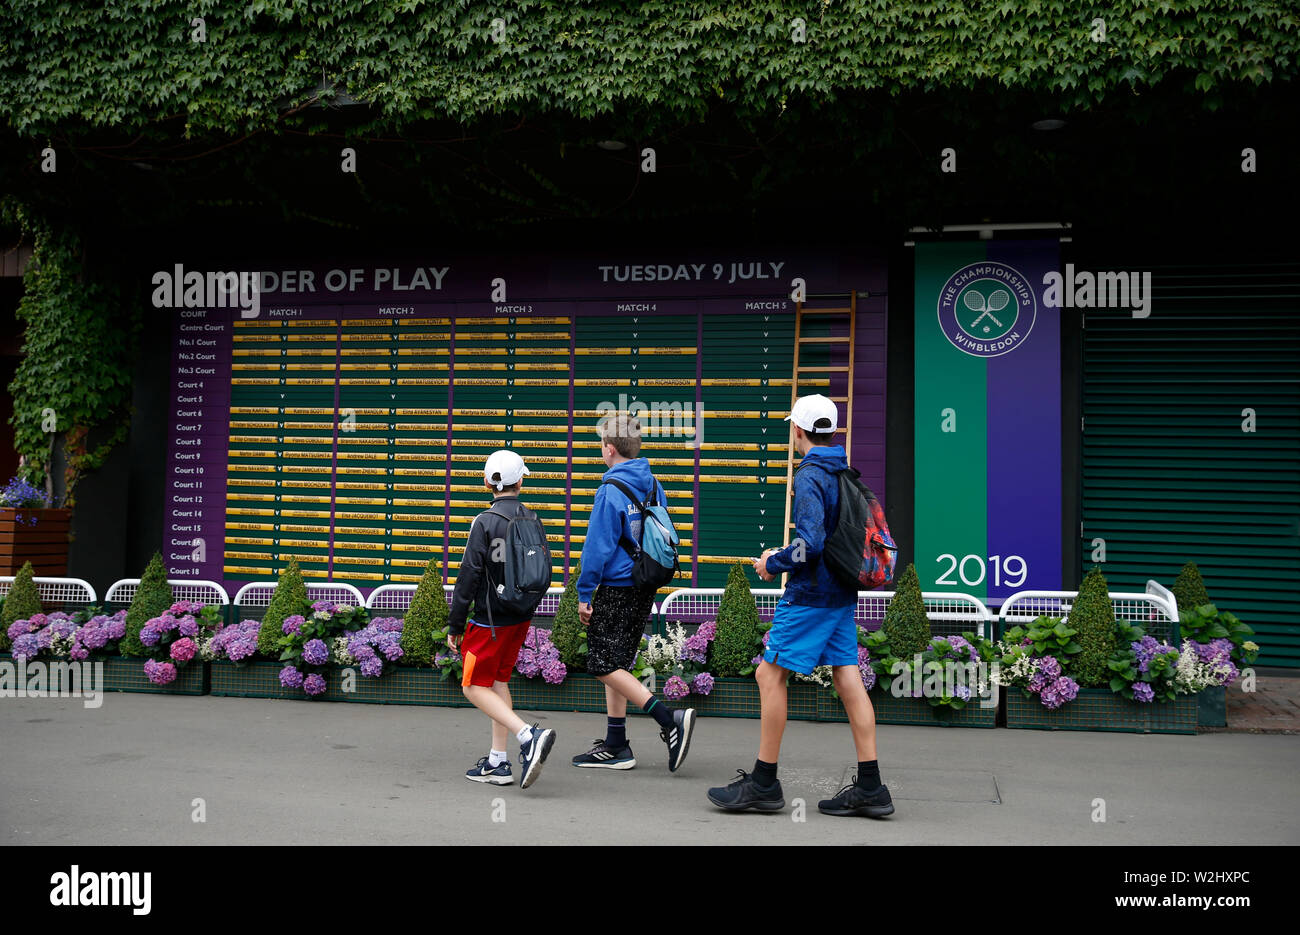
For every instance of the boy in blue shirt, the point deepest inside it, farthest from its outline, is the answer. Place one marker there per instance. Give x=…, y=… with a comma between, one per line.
x=613, y=608
x=813, y=625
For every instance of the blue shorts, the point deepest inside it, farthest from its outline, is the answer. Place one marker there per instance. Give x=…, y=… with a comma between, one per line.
x=803, y=638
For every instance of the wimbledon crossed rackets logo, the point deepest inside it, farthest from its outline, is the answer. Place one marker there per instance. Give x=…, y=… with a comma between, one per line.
x=987, y=309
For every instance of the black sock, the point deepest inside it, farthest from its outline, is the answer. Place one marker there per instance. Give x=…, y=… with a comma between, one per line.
x=764, y=773
x=616, y=732
x=868, y=774
x=662, y=714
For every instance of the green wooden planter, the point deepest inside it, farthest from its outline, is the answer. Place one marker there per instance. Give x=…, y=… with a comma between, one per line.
x=398, y=685
x=1212, y=707
x=908, y=711
x=126, y=674
x=578, y=692
x=1102, y=710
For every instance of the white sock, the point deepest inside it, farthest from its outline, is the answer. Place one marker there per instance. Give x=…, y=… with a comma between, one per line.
x=525, y=734
x=496, y=758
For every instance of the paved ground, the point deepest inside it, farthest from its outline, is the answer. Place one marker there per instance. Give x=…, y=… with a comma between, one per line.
x=1274, y=706
x=321, y=773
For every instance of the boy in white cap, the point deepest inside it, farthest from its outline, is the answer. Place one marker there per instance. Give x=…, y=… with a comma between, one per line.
x=491, y=642
x=813, y=626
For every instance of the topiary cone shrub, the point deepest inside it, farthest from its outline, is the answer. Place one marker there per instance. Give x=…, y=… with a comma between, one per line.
x=427, y=614
x=23, y=600
x=290, y=598
x=152, y=598
x=567, y=630
x=906, y=625
x=1189, y=589
x=1094, y=618
x=739, y=631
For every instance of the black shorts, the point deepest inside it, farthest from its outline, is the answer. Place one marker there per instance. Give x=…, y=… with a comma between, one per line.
x=618, y=621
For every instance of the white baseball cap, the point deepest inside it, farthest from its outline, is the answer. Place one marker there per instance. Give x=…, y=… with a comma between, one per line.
x=814, y=413
x=508, y=467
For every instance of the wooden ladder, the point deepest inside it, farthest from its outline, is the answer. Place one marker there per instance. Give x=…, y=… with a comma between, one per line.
x=846, y=426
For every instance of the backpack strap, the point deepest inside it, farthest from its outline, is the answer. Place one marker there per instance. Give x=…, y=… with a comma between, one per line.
x=627, y=492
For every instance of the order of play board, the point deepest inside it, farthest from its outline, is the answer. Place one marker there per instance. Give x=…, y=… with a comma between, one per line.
x=347, y=428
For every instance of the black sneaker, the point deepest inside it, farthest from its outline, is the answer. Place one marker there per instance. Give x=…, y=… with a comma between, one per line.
x=533, y=754
x=853, y=800
x=678, y=737
x=744, y=792
x=603, y=756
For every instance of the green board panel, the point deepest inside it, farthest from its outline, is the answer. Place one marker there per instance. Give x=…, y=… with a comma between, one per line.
x=1191, y=442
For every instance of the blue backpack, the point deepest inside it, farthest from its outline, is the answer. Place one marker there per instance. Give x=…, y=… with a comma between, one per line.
x=654, y=558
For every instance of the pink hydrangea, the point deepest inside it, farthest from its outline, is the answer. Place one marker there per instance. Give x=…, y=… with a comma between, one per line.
x=183, y=649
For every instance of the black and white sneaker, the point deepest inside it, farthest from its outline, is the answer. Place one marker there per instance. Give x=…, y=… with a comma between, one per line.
x=483, y=771
x=533, y=754
x=743, y=793
x=603, y=756
x=855, y=801
x=678, y=737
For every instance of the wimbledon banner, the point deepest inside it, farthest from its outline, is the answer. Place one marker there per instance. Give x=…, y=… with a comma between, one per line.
x=988, y=418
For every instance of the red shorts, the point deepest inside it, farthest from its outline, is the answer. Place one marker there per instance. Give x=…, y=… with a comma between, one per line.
x=489, y=660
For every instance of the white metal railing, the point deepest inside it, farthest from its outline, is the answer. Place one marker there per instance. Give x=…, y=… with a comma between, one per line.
x=397, y=597
x=256, y=595
x=183, y=589
x=56, y=590
x=949, y=613
x=1155, y=612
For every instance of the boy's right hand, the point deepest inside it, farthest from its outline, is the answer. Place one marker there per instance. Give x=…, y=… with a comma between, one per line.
x=584, y=612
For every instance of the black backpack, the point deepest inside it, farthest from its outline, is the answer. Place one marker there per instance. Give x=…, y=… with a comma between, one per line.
x=528, y=564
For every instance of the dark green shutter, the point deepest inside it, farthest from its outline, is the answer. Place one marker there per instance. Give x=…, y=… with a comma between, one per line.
x=1168, y=473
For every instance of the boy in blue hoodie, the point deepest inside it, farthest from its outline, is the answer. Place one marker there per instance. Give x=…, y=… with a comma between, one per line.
x=813, y=625
x=613, y=608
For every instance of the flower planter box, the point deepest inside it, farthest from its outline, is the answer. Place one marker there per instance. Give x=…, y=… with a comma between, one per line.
x=1103, y=710
x=44, y=544
x=908, y=711
x=1212, y=708
x=126, y=674
x=578, y=692
x=398, y=685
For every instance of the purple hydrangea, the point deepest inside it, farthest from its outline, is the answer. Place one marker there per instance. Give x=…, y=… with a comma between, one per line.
x=237, y=641
x=1049, y=667
x=702, y=684
x=290, y=677
x=1067, y=688
x=115, y=625
x=538, y=656
x=675, y=689
x=314, y=684
x=189, y=626
x=1143, y=692
x=160, y=673
x=315, y=653
x=149, y=633
x=864, y=666
x=183, y=649
x=26, y=646
x=372, y=668
x=181, y=608
x=292, y=624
